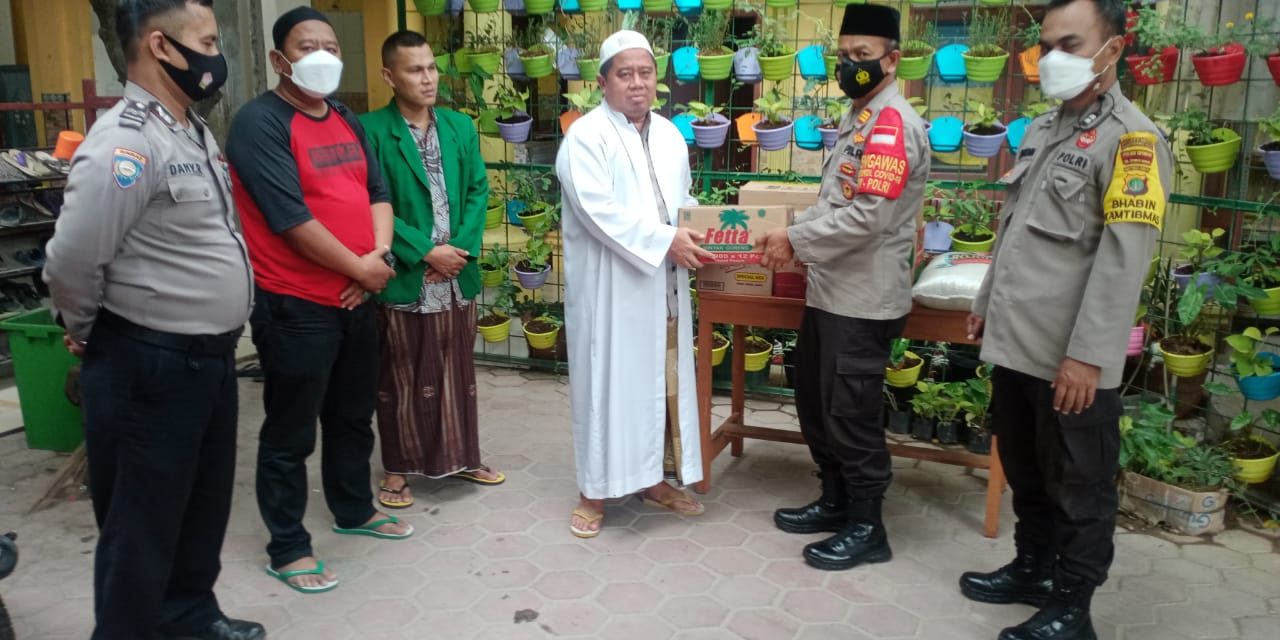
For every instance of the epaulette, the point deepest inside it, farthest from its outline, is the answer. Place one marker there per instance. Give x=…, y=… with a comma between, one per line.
x=134, y=115
x=164, y=115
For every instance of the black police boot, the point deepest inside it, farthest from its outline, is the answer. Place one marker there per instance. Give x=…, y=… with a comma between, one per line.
x=1065, y=616
x=1028, y=579
x=862, y=540
x=227, y=629
x=828, y=513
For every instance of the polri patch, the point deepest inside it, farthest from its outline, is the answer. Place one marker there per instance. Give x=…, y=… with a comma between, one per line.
x=1087, y=139
x=126, y=167
x=1135, y=193
x=847, y=190
x=848, y=169
x=1072, y=160
x=884, y=167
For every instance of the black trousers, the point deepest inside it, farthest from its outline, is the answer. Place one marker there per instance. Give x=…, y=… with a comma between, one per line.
x=318, y=362
x=840, y=365
x=1062, y=469
x=160, y=435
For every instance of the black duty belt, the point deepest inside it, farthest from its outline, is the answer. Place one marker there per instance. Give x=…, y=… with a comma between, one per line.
x=207, y=344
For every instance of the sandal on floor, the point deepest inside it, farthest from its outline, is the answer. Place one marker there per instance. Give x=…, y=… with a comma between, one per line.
x=470, y=476
x=670, y=504
x=400, y=503
x=284, y=576
x=590, y=519
x=371, y=530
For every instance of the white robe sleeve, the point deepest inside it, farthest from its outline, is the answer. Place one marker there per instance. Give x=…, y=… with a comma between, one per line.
x=586, y=182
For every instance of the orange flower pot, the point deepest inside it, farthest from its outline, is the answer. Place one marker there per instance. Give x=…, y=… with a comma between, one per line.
x=746, y=123
x=567, y=118
x=1030, y=60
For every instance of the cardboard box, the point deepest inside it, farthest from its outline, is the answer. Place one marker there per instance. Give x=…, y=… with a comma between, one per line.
x=798, y=195
x=731, y=231
x=1192, y=513
x=742, y=279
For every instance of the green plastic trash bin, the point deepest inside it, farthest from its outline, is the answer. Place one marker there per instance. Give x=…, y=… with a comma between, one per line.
x=40, y=364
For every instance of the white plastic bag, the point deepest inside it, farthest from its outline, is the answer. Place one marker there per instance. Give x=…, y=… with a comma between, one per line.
x=951, y=281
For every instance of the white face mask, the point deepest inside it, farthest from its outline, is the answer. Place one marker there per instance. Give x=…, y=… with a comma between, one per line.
x=317, y=74
x=1064, y=76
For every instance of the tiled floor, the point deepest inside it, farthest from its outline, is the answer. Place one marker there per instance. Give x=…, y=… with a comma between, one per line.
x=499, y=563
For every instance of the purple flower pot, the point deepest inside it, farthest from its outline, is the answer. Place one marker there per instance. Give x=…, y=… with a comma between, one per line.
x=711, y=137
x=533, y=280
x=567, y=63
x=773, y=139
x=746, y=65
x=829, y=136
x=1272, y=161
x=1207, y=280
x=517, y=132
x=984, y=146
x=513, y=64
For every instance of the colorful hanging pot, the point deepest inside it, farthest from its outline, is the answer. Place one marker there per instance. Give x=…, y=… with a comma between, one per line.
x=806, y=132
x=496, y=332
x=1269, y=305
x=1017, y=130
x=829, y=136
x=1220, y=69
x=717, y=5
x=533, y=280
x=514, y=7
x=813, y=67
x=746, y=124
x=628, y=5
x=1273, y=65
x=716, y=67
x=984, y=68
x=746, y=65
x=1030, y=61
x=661, y=60
x=487, y=61
x=431, y=7
x=514, y=209
x=946, y=133
x=567, y=119
x=589, y=68
x=484, y=6
x=537, y=65
x=831, y=61
x=1137, y=340
x=1154, y=68
x=689, y=7
x=684, y=122
x=778, y=68
x=514, y=64
x=951, y=63
x=656, y=6
x=774, y=138
x=462, y=60
x=567, y=63
x=1218, y=156
x=1262, y=388
x=570, y=6
x=915, y=68
x=593, y=6
x=710, y=136
x=684, y=61
x=984, y=145
x=516, y=132
x=493, y=216
x=1271, y=159
x=780, y=4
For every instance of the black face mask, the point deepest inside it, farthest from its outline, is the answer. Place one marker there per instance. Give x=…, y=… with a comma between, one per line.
x=204, y=74
x=857, y=79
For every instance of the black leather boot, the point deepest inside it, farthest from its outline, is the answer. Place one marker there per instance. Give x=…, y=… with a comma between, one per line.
x=861, y=541
x=1028, y=580
x=828, y=513
x=227, y=629
x=1065, y=616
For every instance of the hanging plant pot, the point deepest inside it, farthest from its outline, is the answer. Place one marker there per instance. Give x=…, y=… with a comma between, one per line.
x=535, y=220
x=1273, y=65
x=570, y=6
x=812, y=66
x=684, y=123
x=807, y=135
x=778, y=68
x=830, y=135
x=661, y=60
x=1271, y=158
x=711, y=136
x=759, y=359
x=994, y=3
x=593, y=6
x=907, y=376
x=568, y=118
x=983, y=245
x=484, y=6
x=494, y=328
x=487, y=61
x=924, y=3
x=1185, y=365
x=1030, y=62
x=684, y=61
x=536, y=63
x=493, y=215
x=1221, y=68
x=746, y=65
x=951, y=62
x=514, y=7
x=746, y=124
x=1261, y=388
x=1017, y=130
x=689, y=7
x=514, y=209
x=517, y=130
x=539, y=7
x=984, y=68
x=946, y=133
x=1137, y=340
x=514, y=64
x=780, y=4
x=719, y=347
x=628, y=5
x=1254, y=458
x=1154, y=68
x=915, y=68
x=541, y=332
x=1267, y=306
x=987, y=143
x=589, y=68
x=567, y=63
x=656, y=6
x=490, y=277
x=717, y=5
x=455, y=7
x=831, y=62
x=431, y=7
x=462, y=60
x=1216, y=157
x=530, y=279
x=773, y=138
x=715, y=67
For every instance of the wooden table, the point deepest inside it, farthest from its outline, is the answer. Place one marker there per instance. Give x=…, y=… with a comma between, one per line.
x=925, y=324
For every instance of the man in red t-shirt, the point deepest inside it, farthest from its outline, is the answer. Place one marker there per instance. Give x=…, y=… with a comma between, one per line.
x=318, y=222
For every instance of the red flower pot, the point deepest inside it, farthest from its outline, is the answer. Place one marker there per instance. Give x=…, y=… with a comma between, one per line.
x=1273, y=63
x=1146, y=70
x=1219, y=69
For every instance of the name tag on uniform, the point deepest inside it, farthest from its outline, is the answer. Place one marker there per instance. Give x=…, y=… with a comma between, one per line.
x=1074, y=160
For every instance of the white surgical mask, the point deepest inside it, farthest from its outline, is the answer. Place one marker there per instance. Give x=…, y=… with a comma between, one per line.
x=317, y=73
x=1064, y=76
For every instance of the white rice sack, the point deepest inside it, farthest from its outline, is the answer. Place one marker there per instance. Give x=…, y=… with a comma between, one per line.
x=951, y=281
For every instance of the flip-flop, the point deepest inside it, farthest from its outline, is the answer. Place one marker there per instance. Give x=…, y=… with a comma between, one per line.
x=371, y=530
x=590, y=518
x=395, y=504
x=283, y=576
x=470, y=476
x=670, y=503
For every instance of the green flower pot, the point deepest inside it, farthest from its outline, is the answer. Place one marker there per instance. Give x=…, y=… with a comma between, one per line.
x=982, y=246
x=778, y=68
x=915, y=68
x=715, y=67
x=488, y=61
x=593, y=6
x=589, y=68
x=831, y=61
x=490, y=279
x=982, y=69
x=1216, y=157
x=493, y=215
x=657, y=6
x=717, y=5
x=430, y=7
x=443, y=62
x=994, y=3
x=539, y=7
x=781, y=4
x=538, y=66
x=1268, y=306
x=485, y=6
x=462, y=60
x=661, y=62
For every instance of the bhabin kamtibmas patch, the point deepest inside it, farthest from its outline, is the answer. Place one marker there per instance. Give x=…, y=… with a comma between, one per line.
x=1135, y=193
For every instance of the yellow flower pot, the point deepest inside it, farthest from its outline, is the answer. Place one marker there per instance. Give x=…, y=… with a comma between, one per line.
x=493, y=215
x=717, y=354
x=1186, y=366
x=759, y=360
x=496, y=333
x=904, y=378
x=1256, y=470
x=541, y=340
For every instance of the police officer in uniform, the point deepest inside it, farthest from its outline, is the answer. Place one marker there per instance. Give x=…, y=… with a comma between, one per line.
x=858, y=242
x=1081, y=217
x=152, y=282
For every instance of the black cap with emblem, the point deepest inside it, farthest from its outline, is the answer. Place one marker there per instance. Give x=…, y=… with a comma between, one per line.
x=871, y=20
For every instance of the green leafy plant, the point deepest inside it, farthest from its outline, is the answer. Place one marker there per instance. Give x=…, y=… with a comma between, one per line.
x=774, y=105
x=898, y=352
x=658, y=30
x=716, y=194
x=769, y=34
x=982, y=118
x=701, y=112
x=496, y=258
x=1197, y=125
x=1270, y=125
x=586, y=99
x=1029, y=36
x=988, y=33
x=1198, y=248
x=834, y=110
x=1151, y=447
x=1253, y=35
x=922, y=38
x=975, y=400
x=504, y=303
x=710, y=33
x=1245, y=357
x=1156, y=30
x=966, y=208
x=1034, y=110
x=512, y=104
x=930, y=400
x=537, y=252
x=529, y=40
x=1242, y=443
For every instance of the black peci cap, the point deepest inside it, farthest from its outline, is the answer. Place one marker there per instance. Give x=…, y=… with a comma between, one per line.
x=290, y=19
x=870, y=20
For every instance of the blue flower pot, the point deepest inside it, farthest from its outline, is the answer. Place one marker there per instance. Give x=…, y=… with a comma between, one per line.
x=514, y=7
x=684, y=122
x=514, y=209
x=570, y=6
x=689, y=7
x=684, y=61
x=1262, y=388
x=812, y=64
x=1016, y=131
x=950, y=62
x=807, y=135
x=629, y=5
x=512, y=63
x=946, y=134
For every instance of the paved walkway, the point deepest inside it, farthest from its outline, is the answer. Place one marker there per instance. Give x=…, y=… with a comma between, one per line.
x=500, y=564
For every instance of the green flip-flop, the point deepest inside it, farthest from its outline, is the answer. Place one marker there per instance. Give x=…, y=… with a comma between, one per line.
x=371, y=530
x=284, y=576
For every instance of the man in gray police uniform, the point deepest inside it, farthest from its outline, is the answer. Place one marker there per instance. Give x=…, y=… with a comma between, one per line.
x=152, y=282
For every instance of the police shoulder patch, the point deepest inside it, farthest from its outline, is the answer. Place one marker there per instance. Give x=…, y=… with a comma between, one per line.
x=1135, y=193
x=884, y=163
x=127, y=166
x=134, y=114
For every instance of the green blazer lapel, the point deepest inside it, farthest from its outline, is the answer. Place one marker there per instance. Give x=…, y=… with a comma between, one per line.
x=408, y=146
x=449, y=164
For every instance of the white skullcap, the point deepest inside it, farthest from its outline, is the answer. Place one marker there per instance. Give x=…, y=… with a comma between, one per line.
x=621, y=41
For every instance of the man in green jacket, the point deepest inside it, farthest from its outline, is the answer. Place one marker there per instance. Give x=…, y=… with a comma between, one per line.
x=439, y=191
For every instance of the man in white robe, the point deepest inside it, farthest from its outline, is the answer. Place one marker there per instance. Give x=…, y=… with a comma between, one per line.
x=624, y=173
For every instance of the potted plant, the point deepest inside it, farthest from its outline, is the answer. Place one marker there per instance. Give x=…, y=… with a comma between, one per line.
x=986, y=58
x=975, y=404
x=758, y=351
x=1271, y=150
x=514, y=123
x=710, y=128
x=1212, y=150
x=493, y=265
x=1029, y=58
x=719, y=347
x=1221, y=56
x=1017, y=130
x=984, y=135
x=774, y=129
x=656, y=6
x=493, y=215
x=1261, y=269
x=777, y=55
x=533, y=269
x=897, y=416
x=834, y=108
x=1255, y=371
x=484, y=6
x=1157, y=33
x=904, y=366
x=918, y=49
x=951, y=422
x=431, y=8
x=1183, y=347
x=495, y=326
x=658, y=31
x=927, y=405
x=539, y=7
x=484, y=52
x=812, y=59
x=1198, y=249
x=583, y=101
x=970, y=213
x=542, y=331
x=710, y=36
x=1253, y=456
